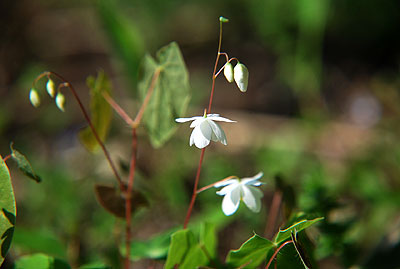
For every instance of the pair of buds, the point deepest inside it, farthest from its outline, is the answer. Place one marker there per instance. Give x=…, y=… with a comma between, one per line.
x=240, y=74
x=51, y=90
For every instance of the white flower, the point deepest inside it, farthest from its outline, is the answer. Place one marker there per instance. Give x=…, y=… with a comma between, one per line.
x=206, y=129
x=241, y=75
x=245, y=189
x=228, y=72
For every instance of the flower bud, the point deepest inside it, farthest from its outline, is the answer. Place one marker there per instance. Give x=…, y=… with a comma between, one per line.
x=60, y=101
x=51, y=88
x=34, y=97
x=241, y=76
x=228, y=72
x=222, y=19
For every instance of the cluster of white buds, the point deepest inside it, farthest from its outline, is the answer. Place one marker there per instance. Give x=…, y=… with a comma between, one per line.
x=51, y=90
x=240, y=74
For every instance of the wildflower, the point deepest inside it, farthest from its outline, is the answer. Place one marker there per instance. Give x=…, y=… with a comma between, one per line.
x=206, y=129
x=51, y=88
x=241, y=75
x=34, y=97
x=228, y=72
x=244, y=189
x=60, y=101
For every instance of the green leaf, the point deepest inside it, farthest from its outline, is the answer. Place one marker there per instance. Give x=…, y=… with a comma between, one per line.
x=195, y=257
x=8, y=210
x=95, y=265
x=112, y=200
x=100, y=110
x=23, y=164
x=208, y=238
x=41, y=261
x=251, y=254
x=181, y=243
x=282, y=235
x=171, y=93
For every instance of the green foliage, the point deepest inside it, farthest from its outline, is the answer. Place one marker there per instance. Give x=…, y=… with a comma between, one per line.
x=125, y=37
x=8, y=210
x=95, y=265
x=171, y=93
x=41, y=261
x=23, y=164
x=188, y=252
x=43, y=241
x=251, y=254
x=101, y=112
x=284, y=234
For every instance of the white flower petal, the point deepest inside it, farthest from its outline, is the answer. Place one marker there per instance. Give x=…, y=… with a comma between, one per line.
x=218, y=132
x=198, y=138
x=206, y=129
x=197, y=121
x=226, y=182
x=227, y=189
x=216, y=117
x=252, y=198
x=187, y=119
x=253, y=180
x=230, y=203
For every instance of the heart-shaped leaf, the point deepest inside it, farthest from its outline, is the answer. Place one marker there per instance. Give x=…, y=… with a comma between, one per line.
x=171, y=92
x=111, y=199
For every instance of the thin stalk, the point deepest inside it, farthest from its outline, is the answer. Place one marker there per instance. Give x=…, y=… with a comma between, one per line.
x=118, y=109
x=7, y=157
x=196, y=181
x=87, y=118
x=128, y=199
x=213, y=184
x=276, y=252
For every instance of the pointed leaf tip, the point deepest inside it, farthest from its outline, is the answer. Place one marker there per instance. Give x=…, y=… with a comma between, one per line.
x=23, y=164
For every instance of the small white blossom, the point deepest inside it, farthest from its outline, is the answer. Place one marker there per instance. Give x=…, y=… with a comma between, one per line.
x=244, y=189
x=60, y=101
x=241, y=75
x=206, y=129
x=34, y=97
x=51, y=90
x=228, y=72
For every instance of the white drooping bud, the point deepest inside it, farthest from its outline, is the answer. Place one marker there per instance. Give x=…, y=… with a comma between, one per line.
x=228, y=72
x=51, y=88
x=60, y=101
x=241, y=76
x=34, y=97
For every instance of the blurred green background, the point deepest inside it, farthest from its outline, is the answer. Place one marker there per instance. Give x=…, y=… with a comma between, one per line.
x=321, y=114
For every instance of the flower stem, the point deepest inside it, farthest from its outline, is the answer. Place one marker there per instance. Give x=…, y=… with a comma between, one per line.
x=276, y=252
x=196, y=182
x=274, y=213
x=7, y=157
x=128, y=199
x=87, y=118
x=118, y=109
x=212, y=185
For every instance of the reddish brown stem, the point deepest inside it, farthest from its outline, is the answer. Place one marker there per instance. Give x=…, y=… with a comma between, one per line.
x=196, y=182
x=273, y=214
x=87, y=118
x=212, y=185
x=147, y=98
x=118, y=109
x=7, y=157
x=128, y=199
x=276, y=252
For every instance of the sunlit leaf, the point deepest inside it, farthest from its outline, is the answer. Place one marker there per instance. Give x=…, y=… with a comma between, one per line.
x=41, y=261
x=100, y=111
x=284, y=234
x=95, y=265
x=181, y=242
x=23, y=164
x=208, y=238
x=251, y=254
x=171, y=93
x=8, y=210
x=111, y=199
